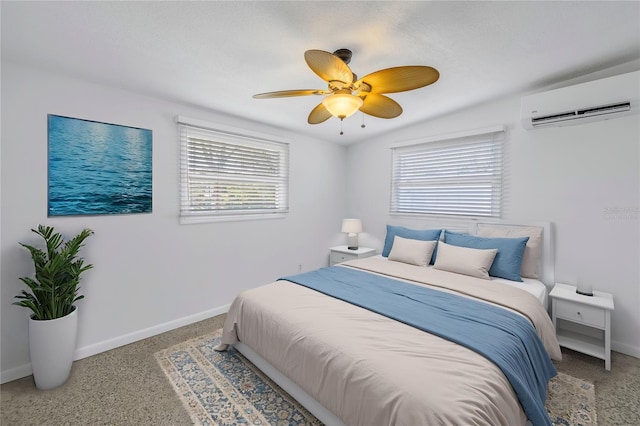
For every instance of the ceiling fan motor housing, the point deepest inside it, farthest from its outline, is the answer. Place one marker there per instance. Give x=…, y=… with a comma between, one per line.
x=344, y=54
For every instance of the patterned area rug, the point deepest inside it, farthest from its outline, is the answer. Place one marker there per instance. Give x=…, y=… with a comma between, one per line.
x=571, y=401
x=224, y=388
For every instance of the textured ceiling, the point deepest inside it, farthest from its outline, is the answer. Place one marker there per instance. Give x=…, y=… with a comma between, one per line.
x=216, y=55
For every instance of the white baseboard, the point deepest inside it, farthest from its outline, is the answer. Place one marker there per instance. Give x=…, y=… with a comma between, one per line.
x=626, y=349
x=87, y=351
x=15, y=373
x=147, y=332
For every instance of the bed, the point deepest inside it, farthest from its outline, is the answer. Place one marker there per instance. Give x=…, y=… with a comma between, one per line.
x=350, y=361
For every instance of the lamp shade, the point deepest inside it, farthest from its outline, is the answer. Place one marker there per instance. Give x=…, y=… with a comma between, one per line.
x=352, y=226
x=342, y=105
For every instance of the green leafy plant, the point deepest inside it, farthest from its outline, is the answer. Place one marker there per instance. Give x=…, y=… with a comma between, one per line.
x=55, y=287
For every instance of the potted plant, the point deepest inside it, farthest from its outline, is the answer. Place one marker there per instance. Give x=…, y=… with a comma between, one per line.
x=52, y=294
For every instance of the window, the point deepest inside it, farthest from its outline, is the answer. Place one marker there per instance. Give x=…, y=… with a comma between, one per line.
x=460, y=175
x=229, y=176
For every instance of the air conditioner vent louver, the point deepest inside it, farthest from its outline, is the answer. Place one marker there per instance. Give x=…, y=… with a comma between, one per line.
x=554, y=117
x=586, y=112
x=603, y=99
x=605, y=109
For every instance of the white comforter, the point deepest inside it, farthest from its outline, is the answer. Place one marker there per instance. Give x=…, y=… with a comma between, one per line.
x=370, y=370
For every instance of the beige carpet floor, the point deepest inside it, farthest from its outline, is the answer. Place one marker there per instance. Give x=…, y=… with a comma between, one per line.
x=125, y=386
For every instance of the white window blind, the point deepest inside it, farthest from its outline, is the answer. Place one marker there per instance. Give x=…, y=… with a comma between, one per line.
x=460, y=176
x=225, y=176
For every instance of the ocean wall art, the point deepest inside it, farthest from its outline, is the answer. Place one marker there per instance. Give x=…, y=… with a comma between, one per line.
x=98, y=168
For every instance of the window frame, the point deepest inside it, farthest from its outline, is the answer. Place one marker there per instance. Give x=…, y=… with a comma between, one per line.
x=495, y=135
x=229, y=137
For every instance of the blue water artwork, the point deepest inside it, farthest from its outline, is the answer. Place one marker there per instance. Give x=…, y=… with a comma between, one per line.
x=98, y=168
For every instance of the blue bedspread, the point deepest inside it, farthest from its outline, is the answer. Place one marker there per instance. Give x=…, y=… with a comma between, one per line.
x=505, y=338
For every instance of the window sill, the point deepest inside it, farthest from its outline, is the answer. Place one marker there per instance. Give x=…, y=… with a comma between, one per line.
x=192, y=220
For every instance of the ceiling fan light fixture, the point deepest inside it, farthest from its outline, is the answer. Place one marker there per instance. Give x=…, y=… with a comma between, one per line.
x=342, y=105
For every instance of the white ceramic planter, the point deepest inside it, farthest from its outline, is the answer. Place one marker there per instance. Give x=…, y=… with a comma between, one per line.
x=52, y=344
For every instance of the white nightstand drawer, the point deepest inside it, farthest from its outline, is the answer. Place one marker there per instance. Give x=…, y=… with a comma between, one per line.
x=580, y=313
x=337, y=257
x=341, y=254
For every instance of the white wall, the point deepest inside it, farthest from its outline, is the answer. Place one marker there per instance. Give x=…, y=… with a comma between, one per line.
x=573, y=177
x=151, y=274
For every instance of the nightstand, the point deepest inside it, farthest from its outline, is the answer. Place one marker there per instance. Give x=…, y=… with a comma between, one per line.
x=583, y=323
x=341, y=254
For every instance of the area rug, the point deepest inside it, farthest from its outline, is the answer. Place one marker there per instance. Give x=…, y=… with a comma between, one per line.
x=224, y=388
x=571, y=401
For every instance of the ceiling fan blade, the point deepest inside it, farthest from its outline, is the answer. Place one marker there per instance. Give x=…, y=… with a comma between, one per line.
x=289, y=93
x=318, y=115
x=381, y=106
x=328, y=66
x=400, y=79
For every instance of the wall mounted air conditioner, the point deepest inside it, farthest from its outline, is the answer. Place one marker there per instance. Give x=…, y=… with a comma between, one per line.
x=603, y=99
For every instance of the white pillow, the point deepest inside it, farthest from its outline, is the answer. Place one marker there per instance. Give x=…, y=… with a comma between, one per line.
x=415, y=252
x=533, y=249
x=465, y=260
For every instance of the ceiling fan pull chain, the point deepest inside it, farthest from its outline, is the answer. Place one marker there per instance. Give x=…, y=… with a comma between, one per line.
x=341, y=132
x=363, y=126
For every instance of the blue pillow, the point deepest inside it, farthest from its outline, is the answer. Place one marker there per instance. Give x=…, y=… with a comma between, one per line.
x=412, y=234
x=507, y=263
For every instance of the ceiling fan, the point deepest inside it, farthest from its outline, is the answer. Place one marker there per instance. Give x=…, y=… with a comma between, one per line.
x=347, y=94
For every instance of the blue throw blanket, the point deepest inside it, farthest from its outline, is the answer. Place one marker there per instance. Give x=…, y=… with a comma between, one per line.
x=503, y=337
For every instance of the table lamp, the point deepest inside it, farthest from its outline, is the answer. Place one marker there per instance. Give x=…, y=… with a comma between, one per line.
x=353, y=227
